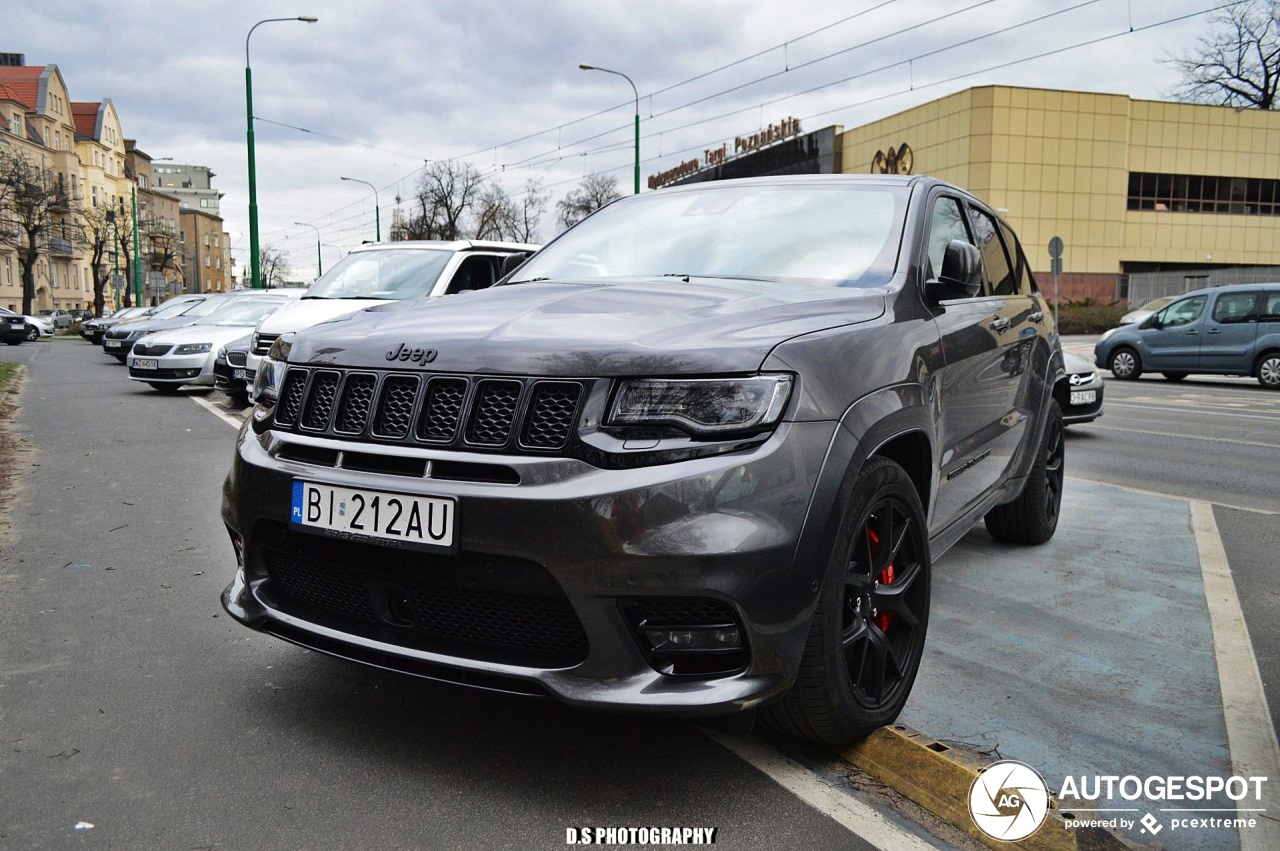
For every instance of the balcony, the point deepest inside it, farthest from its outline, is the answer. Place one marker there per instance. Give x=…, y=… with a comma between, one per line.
x=60, y=246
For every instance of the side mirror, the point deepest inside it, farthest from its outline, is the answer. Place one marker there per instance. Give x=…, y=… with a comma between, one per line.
x=1152, y=321
x=512, y=262
x=961, y=272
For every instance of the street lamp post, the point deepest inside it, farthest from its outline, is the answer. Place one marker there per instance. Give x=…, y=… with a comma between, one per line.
x=637, y=94
x=377, y=216
x=319, y=259
x=137, y=256
x=256, y=275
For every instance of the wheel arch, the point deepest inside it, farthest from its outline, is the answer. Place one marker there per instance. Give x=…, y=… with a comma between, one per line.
x=1263, y=355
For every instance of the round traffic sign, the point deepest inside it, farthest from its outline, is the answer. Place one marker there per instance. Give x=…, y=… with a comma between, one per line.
x=1055, y=247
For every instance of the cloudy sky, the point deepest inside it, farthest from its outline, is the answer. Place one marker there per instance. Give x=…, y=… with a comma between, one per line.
x=384, y=87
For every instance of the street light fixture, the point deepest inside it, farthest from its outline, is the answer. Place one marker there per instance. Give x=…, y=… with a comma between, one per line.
x=637, y=94
x=254, y=260
x=319, y=260
x=377, y=216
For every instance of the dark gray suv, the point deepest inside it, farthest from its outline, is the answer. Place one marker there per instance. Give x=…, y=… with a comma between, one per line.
x=695, y=457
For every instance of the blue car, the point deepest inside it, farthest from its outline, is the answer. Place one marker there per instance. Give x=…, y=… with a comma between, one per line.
x=1231, y=330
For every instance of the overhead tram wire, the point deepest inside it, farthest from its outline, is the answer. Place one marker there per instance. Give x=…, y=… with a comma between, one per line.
x=918, y=87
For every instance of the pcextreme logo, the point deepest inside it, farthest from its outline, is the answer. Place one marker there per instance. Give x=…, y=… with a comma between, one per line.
x=1008, y=800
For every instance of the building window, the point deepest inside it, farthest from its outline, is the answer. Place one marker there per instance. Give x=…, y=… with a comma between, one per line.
x=1182, y=193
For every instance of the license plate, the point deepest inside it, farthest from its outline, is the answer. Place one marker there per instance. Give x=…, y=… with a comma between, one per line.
x=238, y=373
x=112, y=344
x=421, y=520
x=1084, y=397
x=146, y=363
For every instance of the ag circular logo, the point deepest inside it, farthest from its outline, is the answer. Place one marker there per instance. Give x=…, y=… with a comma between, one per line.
x=1009, y=800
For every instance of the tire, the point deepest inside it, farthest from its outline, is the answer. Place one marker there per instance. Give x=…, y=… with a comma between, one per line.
x=120, y=358
x=163, y=387
x=1032, y=518
x=858, y=666
x=33, y=334
x=1174, y=376
x=13, y=341
x=1267, y=370
x=1125, y=363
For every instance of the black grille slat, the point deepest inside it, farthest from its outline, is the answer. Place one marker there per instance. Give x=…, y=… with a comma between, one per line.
x=395, y=407
x=262, y=343
x=237, y=359
x=442, y=409
x=493, y=412
x=320, y=399
x=290, y=406
x=357, y=402
x=150, y=351
x=551, y=414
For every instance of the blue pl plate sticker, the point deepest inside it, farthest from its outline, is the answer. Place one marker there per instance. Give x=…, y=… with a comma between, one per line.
x=295, y=516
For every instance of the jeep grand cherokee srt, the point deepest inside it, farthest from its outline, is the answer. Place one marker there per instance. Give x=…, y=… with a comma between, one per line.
x=695, y=457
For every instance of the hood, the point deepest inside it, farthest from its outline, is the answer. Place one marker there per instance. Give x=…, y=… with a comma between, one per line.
x=149, y=326
x=628, y=327
x=308, y=311
x=215, y=334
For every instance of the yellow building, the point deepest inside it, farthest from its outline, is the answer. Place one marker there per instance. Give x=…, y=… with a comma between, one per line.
x=1129, y=185
x=205, y=268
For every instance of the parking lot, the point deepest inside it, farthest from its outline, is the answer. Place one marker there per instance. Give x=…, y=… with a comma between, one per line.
x=132, y=702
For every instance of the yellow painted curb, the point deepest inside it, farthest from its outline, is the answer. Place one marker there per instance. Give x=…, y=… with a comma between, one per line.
x=938, y=777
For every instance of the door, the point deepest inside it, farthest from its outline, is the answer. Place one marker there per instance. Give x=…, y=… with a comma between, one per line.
x=1173, y=341
x=976, y=386
x=1229, y=331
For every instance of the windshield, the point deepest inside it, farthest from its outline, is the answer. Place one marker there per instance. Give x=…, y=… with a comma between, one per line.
x=244, y=312
x=386, y=274
x=168, y=310
x=834, y=235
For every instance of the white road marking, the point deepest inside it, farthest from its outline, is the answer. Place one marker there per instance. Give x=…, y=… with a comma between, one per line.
x=1251, y=737
x=217, y=412
x=1183, y=407
x=1185, y=436
x=1177, y=496
x=849, y=812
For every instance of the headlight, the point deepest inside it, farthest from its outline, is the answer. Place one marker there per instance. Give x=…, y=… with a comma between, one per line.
x=193, y=348
x=271, y=370
x=703, y=406
x=221, y=356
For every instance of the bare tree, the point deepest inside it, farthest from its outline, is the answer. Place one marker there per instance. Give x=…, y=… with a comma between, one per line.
x=272, y=266
x=446, y=195
x=595, y=191
x=1238, y=62
x=533, y=203
x=98, y=224
x=164, y=250
x=495, y=213
x=124, y=232
x=33, y=213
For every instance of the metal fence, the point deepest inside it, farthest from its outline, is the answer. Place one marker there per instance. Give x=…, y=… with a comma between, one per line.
x=1145, y=286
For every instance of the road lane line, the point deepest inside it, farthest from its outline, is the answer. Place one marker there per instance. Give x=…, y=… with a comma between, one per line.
x=852, y=814
x=1166, y=495
x=1251, y=737
x=1094, y=426
x=1190, y=407
x=217, y=412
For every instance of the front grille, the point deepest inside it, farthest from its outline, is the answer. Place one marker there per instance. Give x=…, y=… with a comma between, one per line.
x=238, y=359
x=468, y=605
x=262, y=343
x=150, y=351
x=466, y=412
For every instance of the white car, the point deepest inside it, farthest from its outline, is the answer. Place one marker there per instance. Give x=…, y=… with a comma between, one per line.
x=384, y=272
x=169, y=359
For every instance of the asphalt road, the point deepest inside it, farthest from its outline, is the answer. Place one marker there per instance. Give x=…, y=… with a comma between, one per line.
x=130, y=701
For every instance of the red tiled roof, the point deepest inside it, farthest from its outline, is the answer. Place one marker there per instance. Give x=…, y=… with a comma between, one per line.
x=23, y=81
x=85, y=116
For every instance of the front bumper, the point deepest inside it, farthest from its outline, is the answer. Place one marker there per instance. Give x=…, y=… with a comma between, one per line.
x=723, y=529
x=233, y=380
x=174, y=369
x=1083, y=410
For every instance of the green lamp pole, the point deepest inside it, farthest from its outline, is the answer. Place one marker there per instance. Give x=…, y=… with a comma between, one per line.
x=254, y=260
x=637, y=94
x=377, y=216
x=319, y=259
x=137, y=257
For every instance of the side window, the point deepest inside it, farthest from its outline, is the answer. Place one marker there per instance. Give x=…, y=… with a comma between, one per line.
x=475, y=273
x=946, y=224
x=1182, y=312
x=1026, y=284
x=1271, y=307
x=1235, y=307
x=1000, y=277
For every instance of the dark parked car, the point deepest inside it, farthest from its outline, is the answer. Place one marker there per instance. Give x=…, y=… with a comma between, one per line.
x=94, y=329
x=1231, y=330
x=695, y=457
x=1079, y=392
x=13, y=327
x=231, y=373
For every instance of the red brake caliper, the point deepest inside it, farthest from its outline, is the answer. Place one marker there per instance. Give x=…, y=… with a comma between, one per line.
x=883, y=619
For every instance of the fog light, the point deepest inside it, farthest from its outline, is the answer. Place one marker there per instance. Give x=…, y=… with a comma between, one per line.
x=713, y=638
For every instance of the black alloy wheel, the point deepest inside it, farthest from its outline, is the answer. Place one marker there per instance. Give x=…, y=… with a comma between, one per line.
x=1032, y=518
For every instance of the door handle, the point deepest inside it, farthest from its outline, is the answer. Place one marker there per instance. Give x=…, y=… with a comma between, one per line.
x=1192, y=331
x=1038, y=316
x=999, y=325
x=1214, y=331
